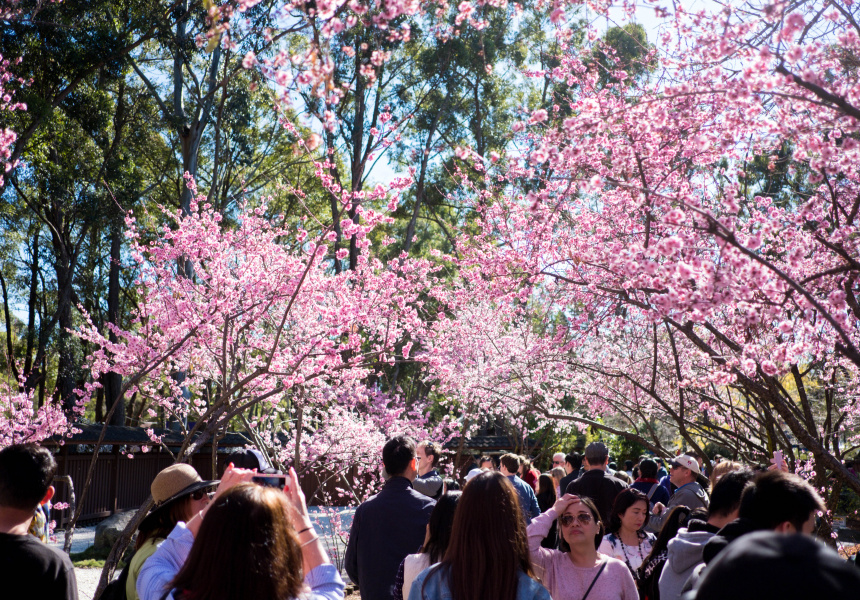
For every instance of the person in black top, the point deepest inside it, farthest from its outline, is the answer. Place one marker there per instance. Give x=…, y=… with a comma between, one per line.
x=388, y=526
x=596, y=483
x=572, y=464
x=29, y=568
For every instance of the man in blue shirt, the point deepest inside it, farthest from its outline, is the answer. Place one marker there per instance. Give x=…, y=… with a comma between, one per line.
x=510, y=464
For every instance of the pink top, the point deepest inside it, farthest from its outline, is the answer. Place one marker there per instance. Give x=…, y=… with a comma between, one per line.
x=566, y=581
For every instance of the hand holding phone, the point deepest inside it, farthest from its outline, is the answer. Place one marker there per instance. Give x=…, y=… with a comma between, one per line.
x=777, y=463
x=298, y=512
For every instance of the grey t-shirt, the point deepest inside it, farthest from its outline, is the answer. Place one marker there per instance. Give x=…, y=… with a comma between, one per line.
x=429, y=484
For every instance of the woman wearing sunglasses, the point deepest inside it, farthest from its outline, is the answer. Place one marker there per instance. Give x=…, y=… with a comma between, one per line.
x=578, y=571
x=179, y=493
x=251, y=542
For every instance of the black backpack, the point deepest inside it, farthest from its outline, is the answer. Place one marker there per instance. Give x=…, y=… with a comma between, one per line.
x=115, y=590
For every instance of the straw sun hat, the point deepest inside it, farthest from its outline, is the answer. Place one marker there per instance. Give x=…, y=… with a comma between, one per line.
x=175, y=482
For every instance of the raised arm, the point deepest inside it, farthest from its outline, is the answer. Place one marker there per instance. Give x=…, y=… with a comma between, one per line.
x=536, y=531
x=313, y=553
x=160, y=568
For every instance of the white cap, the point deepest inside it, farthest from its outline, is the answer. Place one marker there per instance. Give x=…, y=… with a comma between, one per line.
x=473, y=473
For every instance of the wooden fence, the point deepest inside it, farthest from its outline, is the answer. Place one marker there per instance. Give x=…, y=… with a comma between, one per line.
x=119, y=482
x=122, y=483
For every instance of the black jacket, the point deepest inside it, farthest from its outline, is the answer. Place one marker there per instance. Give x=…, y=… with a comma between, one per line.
x=568, y=479
x=726, y=536
x=386, y=528
x=601, y=487
x=715, y=545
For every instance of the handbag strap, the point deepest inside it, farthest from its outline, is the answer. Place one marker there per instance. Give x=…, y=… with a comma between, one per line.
x=652, y=490
x=588, y=591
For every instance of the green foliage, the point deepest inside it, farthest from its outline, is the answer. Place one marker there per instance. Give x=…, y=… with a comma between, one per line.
x=620, y=448
x=777, y=176
x=90, y=558
x=625, y=49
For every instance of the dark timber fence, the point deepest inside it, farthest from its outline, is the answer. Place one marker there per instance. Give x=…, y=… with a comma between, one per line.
x=123, y=473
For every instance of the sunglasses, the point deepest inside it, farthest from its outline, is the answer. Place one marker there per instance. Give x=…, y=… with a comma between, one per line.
x=558, y=462
x=198, y=495
x=583, y=518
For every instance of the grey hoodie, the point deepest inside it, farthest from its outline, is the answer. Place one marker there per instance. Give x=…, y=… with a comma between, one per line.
x=684, y=553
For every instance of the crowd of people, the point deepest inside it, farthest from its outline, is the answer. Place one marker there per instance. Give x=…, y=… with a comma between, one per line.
x=586, y=530
x=681, y=530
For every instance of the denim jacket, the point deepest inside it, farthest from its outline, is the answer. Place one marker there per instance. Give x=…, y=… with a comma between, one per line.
x=437, y=587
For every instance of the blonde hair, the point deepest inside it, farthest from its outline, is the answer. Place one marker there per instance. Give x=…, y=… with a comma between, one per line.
x=623, y=476
x=726, y=466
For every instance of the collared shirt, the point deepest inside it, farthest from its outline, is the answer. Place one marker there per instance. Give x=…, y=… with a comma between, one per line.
x=429, y=484
x=528, y=500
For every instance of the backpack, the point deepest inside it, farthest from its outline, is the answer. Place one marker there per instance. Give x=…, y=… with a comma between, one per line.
x=115, y=590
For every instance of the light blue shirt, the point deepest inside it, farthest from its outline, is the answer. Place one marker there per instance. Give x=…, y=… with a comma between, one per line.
x=528, y=500
x=160, y=569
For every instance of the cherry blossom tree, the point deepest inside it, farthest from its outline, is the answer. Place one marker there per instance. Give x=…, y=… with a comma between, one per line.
x=633, y=269
x=680, y=285
x=269, y=338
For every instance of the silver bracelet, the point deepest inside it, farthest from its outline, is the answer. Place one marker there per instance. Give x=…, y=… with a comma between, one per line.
x=305, y=543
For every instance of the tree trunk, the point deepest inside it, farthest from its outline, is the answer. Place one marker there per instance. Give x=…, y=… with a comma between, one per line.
x=64, y=392
x=31, y=308
x=10, y=345
x=113, y=381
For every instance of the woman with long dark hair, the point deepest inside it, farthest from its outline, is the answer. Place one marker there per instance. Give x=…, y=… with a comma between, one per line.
x=577, y=571
x=251, y=542
x=627, y=539
x=546, y=497
x=435, y=544
x=487, y=557
x=649, y=573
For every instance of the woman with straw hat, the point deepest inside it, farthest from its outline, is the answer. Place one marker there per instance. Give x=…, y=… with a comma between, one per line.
x=179, y=493
x=252, y=542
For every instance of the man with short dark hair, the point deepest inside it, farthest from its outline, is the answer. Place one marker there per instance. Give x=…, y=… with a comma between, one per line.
x=388, y=526
x=776, y=501
x=572, y=466
x=685, y=549
x=29, y=568
x=686, y=477
x=428, y=482
x=596, y=483
x=508, y=466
